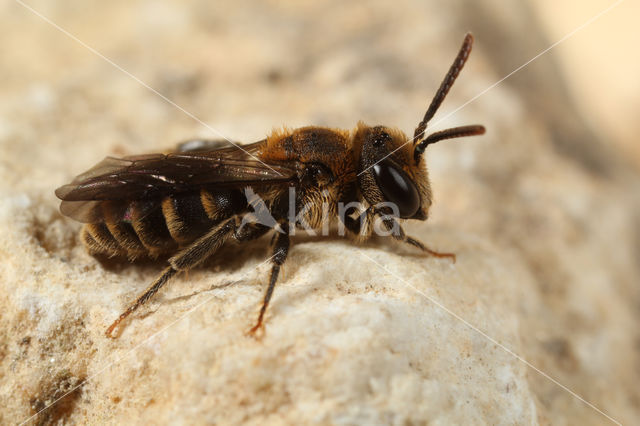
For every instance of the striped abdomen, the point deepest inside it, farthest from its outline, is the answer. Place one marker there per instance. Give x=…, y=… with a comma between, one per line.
x=159, y=226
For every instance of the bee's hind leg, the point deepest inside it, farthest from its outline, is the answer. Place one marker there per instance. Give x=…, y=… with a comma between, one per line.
x=186, y=259
x=148, y=293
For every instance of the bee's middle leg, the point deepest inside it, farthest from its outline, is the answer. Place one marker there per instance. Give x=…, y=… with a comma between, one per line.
x=280, y=251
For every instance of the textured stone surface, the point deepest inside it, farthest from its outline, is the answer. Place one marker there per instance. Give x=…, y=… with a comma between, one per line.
x=544, y=217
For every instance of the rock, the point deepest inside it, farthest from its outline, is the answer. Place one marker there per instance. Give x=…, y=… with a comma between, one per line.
x=540, y=308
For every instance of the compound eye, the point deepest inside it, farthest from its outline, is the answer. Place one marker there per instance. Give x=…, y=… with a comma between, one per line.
x=397, y=188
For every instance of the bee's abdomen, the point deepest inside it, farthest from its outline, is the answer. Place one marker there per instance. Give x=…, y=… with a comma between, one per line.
x=142, y=232
x=161, y=226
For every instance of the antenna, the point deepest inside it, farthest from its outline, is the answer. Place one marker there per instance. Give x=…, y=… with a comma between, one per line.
x=456, y=132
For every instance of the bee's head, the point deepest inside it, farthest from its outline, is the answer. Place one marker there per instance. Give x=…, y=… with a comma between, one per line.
x=391, y=167
x=387, y=172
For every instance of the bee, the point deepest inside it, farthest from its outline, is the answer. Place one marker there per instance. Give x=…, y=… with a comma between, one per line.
x=186, y=204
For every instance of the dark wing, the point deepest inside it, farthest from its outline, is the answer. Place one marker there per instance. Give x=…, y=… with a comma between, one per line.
x=116, y=182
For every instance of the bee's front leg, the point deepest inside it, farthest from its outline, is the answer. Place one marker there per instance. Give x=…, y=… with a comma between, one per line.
x=361, y=226
x=398, y=233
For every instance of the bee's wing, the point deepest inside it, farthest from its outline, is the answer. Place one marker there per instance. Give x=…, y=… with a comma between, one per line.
x=116, y=182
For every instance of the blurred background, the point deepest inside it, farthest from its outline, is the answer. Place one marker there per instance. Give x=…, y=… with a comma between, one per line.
x=600, y=66
x=293, y=45
x=553, y=184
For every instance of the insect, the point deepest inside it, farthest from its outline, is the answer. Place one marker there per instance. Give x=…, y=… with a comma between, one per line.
x=188, y=203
